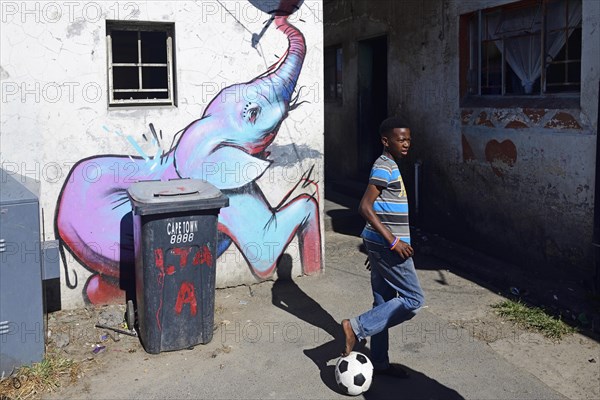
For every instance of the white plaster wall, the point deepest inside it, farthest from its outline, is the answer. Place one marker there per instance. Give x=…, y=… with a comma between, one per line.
x=53, y=72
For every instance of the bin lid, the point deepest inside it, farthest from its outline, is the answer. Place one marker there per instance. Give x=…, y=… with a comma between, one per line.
x=175, y=195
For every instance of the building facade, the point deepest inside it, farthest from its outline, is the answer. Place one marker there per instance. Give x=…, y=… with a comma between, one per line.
x=504, y=144
x=98, y=95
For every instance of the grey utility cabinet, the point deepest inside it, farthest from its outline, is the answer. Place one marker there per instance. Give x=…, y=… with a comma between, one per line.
x=21, y=305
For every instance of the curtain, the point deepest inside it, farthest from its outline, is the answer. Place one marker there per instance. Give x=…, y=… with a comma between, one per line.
x=521, y=31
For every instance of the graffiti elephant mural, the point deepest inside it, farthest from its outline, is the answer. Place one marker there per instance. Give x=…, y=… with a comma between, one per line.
x=93, y=217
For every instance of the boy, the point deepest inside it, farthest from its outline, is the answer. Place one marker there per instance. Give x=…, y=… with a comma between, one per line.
x=386, y=236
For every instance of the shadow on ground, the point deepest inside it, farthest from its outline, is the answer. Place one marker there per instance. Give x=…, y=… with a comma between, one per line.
x=288, y=296
x=418, y=386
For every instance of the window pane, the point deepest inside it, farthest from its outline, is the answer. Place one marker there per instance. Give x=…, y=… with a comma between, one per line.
x=154, y=47
x=329, y=76
x=140, y=50
x=574, y=72
x=510, y=51
x=571, y=48
x=555, y=73
x=563, y=68
x=514, y=84
x=125, y=78
x=491, y=69
x=333, y=73
x=512, y=21
x=563, y=46
x=561, y=14
x=124, y=46
x=339, y=80
x=523, y=57
x=574, y=44
x=563, y=88
x=154, y=78
x=555, y=39
x=556, y=17
x=140, y=95
x=563, y=77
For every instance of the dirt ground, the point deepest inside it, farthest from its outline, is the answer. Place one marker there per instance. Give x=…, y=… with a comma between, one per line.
x=84, y=335
x=571, y=366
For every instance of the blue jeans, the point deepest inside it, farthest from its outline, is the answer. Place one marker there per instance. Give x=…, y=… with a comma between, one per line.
x=397, y=298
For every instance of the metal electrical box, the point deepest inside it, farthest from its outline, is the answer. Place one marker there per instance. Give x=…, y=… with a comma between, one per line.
x=21, y=305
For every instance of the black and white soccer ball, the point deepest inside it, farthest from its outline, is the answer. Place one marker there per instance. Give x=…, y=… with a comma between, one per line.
x=354, y=373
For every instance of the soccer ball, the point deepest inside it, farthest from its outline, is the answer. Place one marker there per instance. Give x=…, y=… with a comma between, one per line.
x=354, y=373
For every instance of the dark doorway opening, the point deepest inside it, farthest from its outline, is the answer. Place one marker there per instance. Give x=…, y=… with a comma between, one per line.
x=372, y=100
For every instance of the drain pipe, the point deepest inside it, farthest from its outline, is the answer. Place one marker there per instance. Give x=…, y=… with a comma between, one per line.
x=418, y=165
x=596, y=240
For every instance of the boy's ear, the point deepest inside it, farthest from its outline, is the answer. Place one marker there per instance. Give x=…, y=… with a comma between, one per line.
x=384, y=141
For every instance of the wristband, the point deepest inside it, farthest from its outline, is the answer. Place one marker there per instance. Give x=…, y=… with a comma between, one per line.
x=394, y=243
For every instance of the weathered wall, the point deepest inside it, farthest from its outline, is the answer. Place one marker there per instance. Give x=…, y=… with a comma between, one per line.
x=55, y=114
x=347, y=22
x=516, y=182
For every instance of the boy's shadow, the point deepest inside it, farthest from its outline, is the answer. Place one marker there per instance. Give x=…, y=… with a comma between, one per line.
x=289, y=297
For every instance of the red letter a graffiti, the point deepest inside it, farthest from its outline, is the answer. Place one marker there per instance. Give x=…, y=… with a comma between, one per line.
x=186, y=295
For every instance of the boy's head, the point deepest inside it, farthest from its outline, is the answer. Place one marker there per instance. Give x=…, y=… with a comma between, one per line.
x=395, y=137
x=388, y=125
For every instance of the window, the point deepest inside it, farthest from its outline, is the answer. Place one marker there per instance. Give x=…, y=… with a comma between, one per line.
x=140, y=63
x=502, y=49
x=333, y=74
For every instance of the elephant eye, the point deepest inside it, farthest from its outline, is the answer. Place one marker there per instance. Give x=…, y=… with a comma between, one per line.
x=251, y=112
x=253, y=115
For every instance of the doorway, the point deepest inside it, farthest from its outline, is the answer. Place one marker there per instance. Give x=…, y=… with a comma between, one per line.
x=372, y=100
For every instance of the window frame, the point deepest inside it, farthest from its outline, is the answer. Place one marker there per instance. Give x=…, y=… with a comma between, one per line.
x=337, y=51
x=139, y=27
x=468, y=57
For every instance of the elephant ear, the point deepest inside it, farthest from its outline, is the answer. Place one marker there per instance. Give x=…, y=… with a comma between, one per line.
x=230, y=168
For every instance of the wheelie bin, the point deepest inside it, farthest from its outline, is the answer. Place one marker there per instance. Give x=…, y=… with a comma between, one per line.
x=175, y=243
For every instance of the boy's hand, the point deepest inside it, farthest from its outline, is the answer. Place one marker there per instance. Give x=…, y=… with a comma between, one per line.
x=404, y=249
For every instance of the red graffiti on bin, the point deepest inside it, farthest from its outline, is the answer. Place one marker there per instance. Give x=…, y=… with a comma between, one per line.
x=187, y=292
x=202, y=255
x=186, y=295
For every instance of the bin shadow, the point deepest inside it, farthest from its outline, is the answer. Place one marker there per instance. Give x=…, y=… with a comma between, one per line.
x=288, y=296
x=127, y=259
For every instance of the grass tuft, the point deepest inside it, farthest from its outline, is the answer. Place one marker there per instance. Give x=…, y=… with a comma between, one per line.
x=46, y=376
x=533, y=318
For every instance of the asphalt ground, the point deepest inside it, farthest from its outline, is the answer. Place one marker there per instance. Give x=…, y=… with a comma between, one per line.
x=281, y=339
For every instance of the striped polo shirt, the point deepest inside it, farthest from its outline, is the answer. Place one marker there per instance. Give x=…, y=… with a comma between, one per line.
x=392, y=204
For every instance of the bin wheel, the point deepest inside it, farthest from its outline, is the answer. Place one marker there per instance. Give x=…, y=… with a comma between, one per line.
x=130, y=315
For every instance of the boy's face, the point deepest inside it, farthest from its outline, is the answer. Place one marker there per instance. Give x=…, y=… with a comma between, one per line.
x=397, y=142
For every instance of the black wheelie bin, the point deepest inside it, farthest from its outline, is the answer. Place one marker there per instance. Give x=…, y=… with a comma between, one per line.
x=175, y=243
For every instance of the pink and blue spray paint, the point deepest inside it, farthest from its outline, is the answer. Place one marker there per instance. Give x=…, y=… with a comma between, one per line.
x=93, y=217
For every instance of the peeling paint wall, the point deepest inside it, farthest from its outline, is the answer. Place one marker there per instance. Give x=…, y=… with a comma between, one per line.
x=515, y=182
x=53, y=73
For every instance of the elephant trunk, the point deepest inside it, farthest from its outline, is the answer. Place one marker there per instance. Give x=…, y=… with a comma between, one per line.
x=285, y=76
